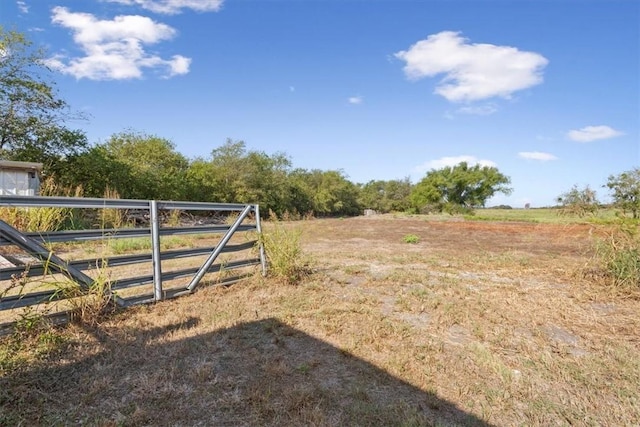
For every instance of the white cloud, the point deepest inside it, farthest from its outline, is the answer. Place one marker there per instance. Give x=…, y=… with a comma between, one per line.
x=115, y=49
x=449, y=162
x=537, y=155
x=23, y=7
x=478, y=110
x=593, y=133
x=179, y=65
x=472, y=71
x=355, y=100
x=172, y=7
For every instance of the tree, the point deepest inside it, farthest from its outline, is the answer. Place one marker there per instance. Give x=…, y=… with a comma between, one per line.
x=626, y=191
x=238, y=175
x=96, y=170
x=156, y=169
x=32, y=116
x=578, y=202
x=330, y=192
x=386, y=196
x=459, y=187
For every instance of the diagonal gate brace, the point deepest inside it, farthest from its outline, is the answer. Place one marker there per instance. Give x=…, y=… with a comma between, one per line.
x=219, y=247
x=46, y=256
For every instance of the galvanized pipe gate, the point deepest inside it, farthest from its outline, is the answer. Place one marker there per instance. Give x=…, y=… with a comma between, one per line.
x=35, y=245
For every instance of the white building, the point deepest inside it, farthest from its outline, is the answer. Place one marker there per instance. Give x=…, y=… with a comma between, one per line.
x=19, y=178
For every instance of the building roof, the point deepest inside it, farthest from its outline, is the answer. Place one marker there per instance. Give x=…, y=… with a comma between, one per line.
x=10, y=164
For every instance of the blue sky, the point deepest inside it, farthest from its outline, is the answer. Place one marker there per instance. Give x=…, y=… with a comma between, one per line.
x=548, y=91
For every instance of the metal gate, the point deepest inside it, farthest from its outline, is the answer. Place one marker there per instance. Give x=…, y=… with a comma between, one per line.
x=47, y=254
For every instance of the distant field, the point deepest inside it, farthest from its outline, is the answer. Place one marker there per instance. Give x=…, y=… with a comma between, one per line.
x=465, y=323
x=541, y=215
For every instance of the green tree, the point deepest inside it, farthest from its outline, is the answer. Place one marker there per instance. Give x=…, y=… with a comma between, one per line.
x=97, y=170
x=201, y=182
x=626, y=191
x=237, y=175
x=300, y=192
x=330, y=192
x=32, y=116
x=155, y=169
x=386, y=196
x=459, y=187
x=578, y=202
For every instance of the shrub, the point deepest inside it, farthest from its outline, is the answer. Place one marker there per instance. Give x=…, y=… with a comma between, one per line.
x=411, y=238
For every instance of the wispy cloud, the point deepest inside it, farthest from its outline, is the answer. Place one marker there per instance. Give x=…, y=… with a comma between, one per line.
x=172, y=7
x=472, y=71
x=478, y=110
x=115, y=49
x=449, y=162
x=23, y=7
x=537, y=155
x=355, y=100
x=593, y=133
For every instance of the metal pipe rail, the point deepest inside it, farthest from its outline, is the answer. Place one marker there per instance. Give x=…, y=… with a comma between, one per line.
x=36, y=245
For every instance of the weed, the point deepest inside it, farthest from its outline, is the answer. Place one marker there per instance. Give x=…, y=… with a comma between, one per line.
x=411, y=238
x=17, y=283
x=112, y=217
x=174, y=218
x=287, y=262
x=33, y=338
x=88, y=306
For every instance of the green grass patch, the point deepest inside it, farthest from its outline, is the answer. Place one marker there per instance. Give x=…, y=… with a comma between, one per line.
x=411, y=238
x=123, y=246
x=542, y=215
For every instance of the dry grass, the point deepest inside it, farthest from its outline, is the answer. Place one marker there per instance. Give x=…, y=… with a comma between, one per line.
x=476, y=324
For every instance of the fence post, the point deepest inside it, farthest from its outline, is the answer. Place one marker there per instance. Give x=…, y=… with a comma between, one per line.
x=263, y=258
x=155, y=250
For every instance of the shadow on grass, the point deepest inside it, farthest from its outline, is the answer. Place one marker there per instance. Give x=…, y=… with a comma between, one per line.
x=262, y=373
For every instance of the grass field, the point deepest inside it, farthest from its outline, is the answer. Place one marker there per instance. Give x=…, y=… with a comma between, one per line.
x=468, y=322
x=543, y=215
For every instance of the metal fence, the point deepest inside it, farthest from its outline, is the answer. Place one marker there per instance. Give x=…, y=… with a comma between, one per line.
x=39, y=247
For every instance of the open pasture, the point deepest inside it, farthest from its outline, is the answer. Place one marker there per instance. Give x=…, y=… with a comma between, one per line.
x=468, y=323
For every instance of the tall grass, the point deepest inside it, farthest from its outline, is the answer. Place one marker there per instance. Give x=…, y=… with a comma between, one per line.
x=112, y=217
x=618, y=256
x=43, y=218
x=88, y=306
x=287, y=262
